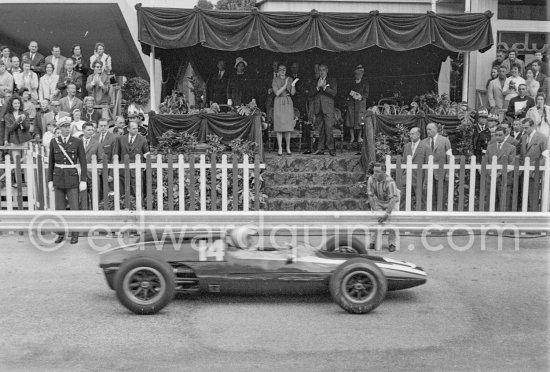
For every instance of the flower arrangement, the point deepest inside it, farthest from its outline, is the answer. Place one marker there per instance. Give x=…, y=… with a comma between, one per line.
x=174, y=104
x=136, y=91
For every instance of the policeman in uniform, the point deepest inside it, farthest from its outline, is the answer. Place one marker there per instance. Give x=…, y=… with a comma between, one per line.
x=481, y=136
x=66, y=171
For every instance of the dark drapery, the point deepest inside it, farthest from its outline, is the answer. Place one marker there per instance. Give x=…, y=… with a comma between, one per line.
x=289, y=32
x=227, y=126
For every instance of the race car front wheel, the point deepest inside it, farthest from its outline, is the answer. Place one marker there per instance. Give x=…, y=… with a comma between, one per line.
x=346, y=244
x=358, y=286
x=145, y=285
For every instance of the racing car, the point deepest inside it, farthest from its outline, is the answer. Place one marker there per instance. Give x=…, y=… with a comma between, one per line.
x=146, y=274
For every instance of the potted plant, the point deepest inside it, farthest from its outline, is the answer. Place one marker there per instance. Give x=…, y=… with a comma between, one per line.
x=136, y=92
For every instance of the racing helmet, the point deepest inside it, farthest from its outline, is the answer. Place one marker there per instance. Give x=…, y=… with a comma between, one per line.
x=238, y=237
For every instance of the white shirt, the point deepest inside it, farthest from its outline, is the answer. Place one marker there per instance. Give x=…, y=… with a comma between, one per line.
x=414, y=145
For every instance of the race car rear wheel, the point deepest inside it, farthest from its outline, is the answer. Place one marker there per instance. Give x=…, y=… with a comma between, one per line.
x=145, y=285
x=345, y=243
x=358, y=286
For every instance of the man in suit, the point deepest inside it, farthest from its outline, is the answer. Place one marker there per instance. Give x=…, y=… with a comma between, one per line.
x=216, y=86
x=37, y=60
x=66, y=160
x=534, y=145
x=508, y=137
x=71, y=102
x=481, y=135
x=310, y=89
x=106, y=140
x=43, y=117
x=494, y=92
x=518, y=106
x=517, y=130
x=513, y=60
x=323, y=105
x=420, y=153
x=546, y=90
x=131, y=144
x=440, y=147
x=70, y=76
x=57, y=60
x=57, y=113
x=91, y=147
x=505, y=152
x=536, y=65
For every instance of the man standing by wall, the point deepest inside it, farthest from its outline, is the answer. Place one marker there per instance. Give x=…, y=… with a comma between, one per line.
x=66, y=171
x=325, y=93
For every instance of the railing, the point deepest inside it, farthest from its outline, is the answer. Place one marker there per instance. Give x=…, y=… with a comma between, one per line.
x=471, y=187
x=190, y=182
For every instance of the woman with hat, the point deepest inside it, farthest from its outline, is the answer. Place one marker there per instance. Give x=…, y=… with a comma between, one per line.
x=357, y=104
x=283, y=109
x=239, y=90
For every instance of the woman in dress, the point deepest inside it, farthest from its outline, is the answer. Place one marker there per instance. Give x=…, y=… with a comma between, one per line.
x=17, y=126
x=97, y=85
x=89, y=112
x=540, y=114
x=48, y=84
x=357, y=105
x=104, y=58
x=532, y=85
x=28, y=79
x=283, y=109
x=77, y=123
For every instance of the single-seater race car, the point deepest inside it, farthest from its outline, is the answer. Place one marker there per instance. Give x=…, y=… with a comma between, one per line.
x=146, y=275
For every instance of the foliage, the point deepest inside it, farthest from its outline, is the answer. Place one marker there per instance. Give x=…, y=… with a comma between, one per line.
x=465, y=133
x=248, y=109
x=427, y=103
x=241, y=148
x=137, y=91
x=122, y=203
x=235, y=4
x=174, y=104
x=205, y=4
x=176, y=142
x=215, y=145
x=400, y=139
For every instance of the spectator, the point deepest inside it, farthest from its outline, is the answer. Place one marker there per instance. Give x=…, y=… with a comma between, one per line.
x=512, y=84
x=29, y=80
x=36, y=59
x=91, y=148
x=43, y=118
x=283, y=109
x=420, y=153
x=505, y=153
x=536, y=67
x=66, y=154
x=48, y=136
x=492, y=76
x=513, y=60
x=15, y=66
x=492, y=123
x=57, y=60
x=384, y=196
x=518, y=106
x=101, y=56
x=357, y=104
x=239, y=90
x=481, y=135
x=70, y=76
x=495, y=91
x=17, y=125
x=5, y=56
x=216, y=91
x=540, y=114
x=90, y=113
x=546, y=90
x=508, y=138
x=77, y=62
x=77, y=124
x=531, y=84
x=70, y=102
x=48, y=84
x=500, y=58
x=517, y=129
x=6, y=81
x=106, y=141
x=57, y=114
x=540, y=58
x=534, y=145
x=441, y=151
x=299, y=98
x=97, y=85
x=28, y=107
x=323, y=105
x=118, y=131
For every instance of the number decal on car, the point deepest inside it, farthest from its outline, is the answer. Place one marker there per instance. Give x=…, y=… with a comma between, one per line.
x=211, y=250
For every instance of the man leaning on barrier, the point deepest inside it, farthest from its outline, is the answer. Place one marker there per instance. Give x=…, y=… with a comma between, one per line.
x=383, y=195
x=66, y=171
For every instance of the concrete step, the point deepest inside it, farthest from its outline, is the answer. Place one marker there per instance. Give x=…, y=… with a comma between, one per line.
x=298, y=204
x=315, y=191
x=312, y=178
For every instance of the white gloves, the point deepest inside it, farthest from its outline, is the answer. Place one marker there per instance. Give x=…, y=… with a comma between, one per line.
x=50, y=186
x=230, y=102
x=82, y=186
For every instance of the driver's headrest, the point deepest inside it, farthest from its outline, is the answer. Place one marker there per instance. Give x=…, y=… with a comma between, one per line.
x=238, y=237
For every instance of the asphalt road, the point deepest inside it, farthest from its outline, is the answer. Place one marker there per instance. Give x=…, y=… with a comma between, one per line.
x=481, y=310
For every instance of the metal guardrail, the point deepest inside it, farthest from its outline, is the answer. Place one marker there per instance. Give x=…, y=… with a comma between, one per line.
x=281, y=223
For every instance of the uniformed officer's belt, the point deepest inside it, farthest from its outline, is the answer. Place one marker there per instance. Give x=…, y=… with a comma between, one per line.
x=65, y=166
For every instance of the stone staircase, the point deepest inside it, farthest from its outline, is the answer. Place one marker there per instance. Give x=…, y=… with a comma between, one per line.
x=314, y=183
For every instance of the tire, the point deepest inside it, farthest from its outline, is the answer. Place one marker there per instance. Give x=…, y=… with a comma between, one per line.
x=156, y=285
x=369, y=286
x=345, y=243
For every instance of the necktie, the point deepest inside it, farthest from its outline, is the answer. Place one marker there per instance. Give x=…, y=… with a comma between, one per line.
x=131, y=140
x=32, y=56
x=219, y=75
x=86, y=144
x=432, y=144
x=102, y=138
x=499, y=146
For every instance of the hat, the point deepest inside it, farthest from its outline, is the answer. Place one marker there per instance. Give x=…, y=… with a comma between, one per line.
x=482, y=112
x=136, y=115
x=239, y=60
x=64, y=121
x=493, y=117
x=359, y=68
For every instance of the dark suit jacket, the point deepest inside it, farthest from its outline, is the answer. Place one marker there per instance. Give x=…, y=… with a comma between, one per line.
x=535, y=148
x=123, y=148
x=64, y=80
x=38, y=64
x=60, y=63
x=323, y=100
x=441, y=146
x=512, y=141
x=507, y=151
x=93, y=149
x=107, y=145
x=64, y=105
x=511, y=112
x=216, y=90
